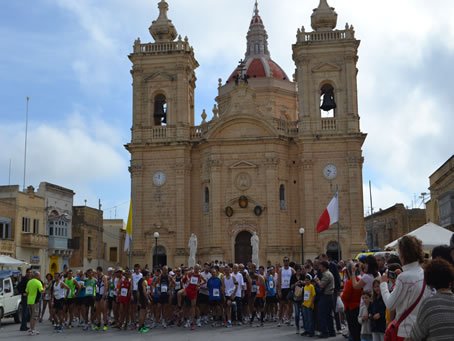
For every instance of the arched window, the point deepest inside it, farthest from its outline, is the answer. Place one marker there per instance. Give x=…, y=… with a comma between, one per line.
x=160, y=110
x=328, y=104
x=282, y=197
x=206, y=200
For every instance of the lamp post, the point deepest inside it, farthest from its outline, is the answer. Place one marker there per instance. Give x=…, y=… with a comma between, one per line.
x=156, y=236
x=302, y=244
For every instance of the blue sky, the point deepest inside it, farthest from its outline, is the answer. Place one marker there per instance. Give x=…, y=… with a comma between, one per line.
x=70, y=57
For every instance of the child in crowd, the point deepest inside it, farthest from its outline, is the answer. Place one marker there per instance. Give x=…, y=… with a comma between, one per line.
x=364, y=318
x=377, y=311
x=308, y=307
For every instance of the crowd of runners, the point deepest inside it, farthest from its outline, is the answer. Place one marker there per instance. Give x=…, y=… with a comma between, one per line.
x=356, y=298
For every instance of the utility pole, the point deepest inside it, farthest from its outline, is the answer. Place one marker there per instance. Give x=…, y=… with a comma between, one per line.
x=99, y=233
x=25, y=149
x=9, y=173
x=371, y=215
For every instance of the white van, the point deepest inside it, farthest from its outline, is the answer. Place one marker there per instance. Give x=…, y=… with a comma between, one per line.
x=9, y=295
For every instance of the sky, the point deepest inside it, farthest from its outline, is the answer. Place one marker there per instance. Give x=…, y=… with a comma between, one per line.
x=70, y=57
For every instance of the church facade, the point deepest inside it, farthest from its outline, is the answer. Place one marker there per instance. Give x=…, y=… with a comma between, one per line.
x=269, y=160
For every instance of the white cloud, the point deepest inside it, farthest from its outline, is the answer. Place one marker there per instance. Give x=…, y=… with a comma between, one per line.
x=72, y=153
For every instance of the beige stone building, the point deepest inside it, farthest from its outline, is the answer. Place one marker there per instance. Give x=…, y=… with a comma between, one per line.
x=25, y=210
x=268, y=161
x=440, y=207
x=387, y=225
x=87, y=230
x=112, y=240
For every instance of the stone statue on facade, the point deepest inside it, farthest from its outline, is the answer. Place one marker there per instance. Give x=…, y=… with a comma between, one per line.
x=255, y=248
x=192, y=249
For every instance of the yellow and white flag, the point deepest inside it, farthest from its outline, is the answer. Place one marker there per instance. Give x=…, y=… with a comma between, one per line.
x=129, y=228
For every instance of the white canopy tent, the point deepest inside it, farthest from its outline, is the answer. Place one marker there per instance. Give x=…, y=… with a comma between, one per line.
x=7, y=261
x=430, y=234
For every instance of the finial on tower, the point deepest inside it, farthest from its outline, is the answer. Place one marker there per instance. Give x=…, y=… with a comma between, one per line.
x=256, y=8
x=257, y=38
x=162, y=29
x=324, y=17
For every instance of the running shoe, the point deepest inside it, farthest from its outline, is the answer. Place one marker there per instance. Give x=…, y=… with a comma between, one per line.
x=104, y=328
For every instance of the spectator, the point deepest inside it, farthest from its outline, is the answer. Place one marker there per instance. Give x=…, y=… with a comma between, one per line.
x=352, y=299
x=442, y=251
x=436, y=315
x=363, y=318
x=297, y=285
x=377, y=312
x=370, y=268
x=409, y=284
x=34, y=290
x=325, y=303
x=21, y=287
x=308, y=307
x=381, y=264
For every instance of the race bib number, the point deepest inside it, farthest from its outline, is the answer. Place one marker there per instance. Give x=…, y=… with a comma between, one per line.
x=254, y=288
x=216, y=292
x=194, y=280
x=271, y=284
x=230, y=291
x=148, y=289
x=81, y=283
x=178, y=286
x=164, y=288
x=57, y=294
x=89, y=290
x=47, y=297
x=286, y=283
x=307, y=295
x=112, y=293
x=124, y=292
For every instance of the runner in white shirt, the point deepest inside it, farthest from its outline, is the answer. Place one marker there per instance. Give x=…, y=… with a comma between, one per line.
x=239, y=293
x=203, y=296
x=230, y=287
x=136, y=276
x=283, y=289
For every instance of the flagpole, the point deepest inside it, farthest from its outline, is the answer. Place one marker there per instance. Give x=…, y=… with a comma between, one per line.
x=338, y=229
x=132, y=202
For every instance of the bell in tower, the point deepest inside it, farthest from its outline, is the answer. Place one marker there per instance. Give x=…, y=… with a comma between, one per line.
x=160, y=112
x=327, y=92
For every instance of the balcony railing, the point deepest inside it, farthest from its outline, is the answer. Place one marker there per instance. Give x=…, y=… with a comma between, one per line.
x=6, y=246
x=34, y=240
x=155, y=48
x=348, y=33
x=329, y=124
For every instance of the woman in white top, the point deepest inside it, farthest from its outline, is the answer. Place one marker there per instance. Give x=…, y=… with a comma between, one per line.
x=409, y=284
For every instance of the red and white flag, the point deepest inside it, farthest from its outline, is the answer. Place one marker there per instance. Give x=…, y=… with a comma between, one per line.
x=330, y=215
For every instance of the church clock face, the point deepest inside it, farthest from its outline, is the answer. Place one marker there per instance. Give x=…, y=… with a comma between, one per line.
x=330, y=171
x=159, y=178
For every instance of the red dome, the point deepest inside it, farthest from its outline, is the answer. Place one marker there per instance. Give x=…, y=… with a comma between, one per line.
x=260, y=67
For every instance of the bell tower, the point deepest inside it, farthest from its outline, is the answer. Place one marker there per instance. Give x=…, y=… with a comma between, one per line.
x=164, y=79
x=326, y=74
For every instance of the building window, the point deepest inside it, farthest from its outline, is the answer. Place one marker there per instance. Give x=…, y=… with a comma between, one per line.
x=282, y=197
x=328, y=104
x=5, y=231
x=113, y=254
x=160, y=110
x=35, y=226
x=25, y=225
x=206, y=201
x=89, y=243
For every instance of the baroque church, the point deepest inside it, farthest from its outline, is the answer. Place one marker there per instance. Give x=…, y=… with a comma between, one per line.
x=274, y=153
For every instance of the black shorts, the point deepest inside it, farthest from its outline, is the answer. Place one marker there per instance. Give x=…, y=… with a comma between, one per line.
x=69, y=301
x=58, y=304
x=164, y=298
x=99, y=297
x=186, y=301
x=259, y=303
x=79, y=300
x=284, y=295
x=143, y=303
x=110, y=301
x=174, y=300
x=215, y=303
x=202, y=299
x=245, y=300
x=134, y=297
x=89, y=301
x=271, y=299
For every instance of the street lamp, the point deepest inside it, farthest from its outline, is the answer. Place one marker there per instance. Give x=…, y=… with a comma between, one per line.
x=156, y=236
x=302, y=244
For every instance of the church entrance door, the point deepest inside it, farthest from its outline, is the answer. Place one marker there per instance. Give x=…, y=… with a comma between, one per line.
x=332, y=251
x=243, y=248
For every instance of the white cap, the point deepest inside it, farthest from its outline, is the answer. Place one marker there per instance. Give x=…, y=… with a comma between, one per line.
x=110, y=269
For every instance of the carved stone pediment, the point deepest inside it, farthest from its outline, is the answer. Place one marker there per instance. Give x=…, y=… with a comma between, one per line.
x=243, y=165
x=159, y=77
x=326, y=67
x=242, y=100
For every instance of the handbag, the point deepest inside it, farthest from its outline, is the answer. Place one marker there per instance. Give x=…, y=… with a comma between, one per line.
x=339, y=305
x=298, y=294
x=393, y=326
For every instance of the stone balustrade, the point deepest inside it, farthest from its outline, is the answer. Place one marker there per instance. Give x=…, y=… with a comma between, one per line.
x=155, y=48
x=329, y=124
x=326, y=35
x=38, y=241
